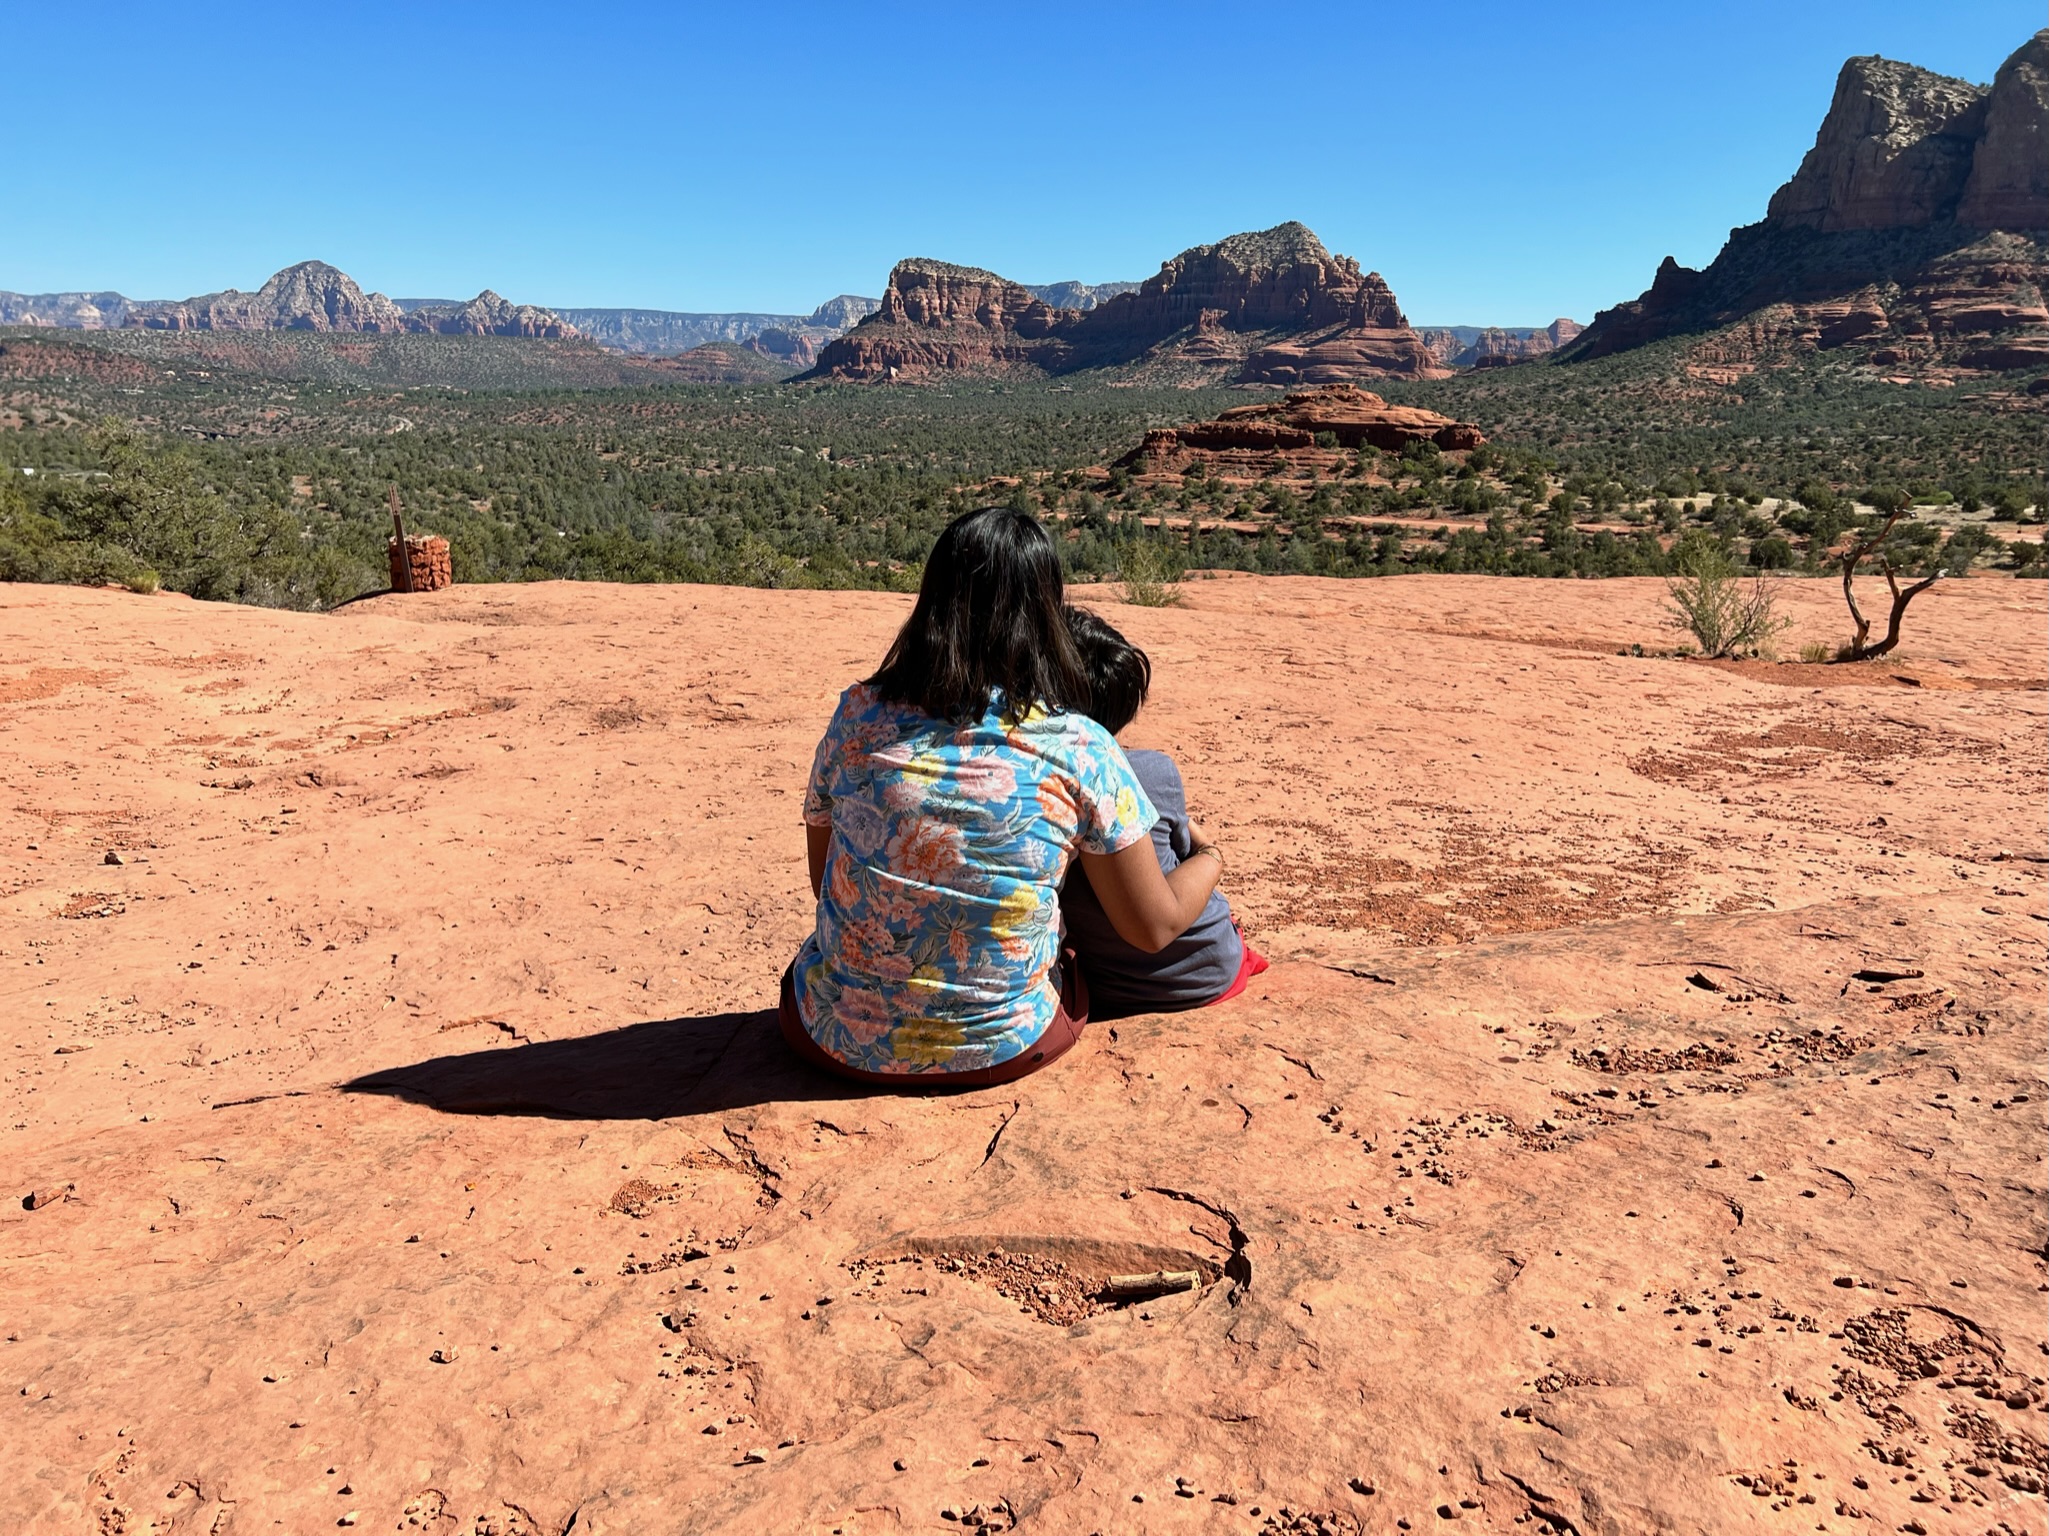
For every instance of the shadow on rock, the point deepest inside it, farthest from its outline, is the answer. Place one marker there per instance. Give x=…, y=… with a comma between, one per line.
x=649, y=1071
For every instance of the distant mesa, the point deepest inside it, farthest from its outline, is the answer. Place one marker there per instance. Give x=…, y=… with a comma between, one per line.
x=1916, y=228
x=663, y=332
x=1496, y=346
x=1073, y=295
x=314, y=296
x=1312, y=427
x=1267, y=307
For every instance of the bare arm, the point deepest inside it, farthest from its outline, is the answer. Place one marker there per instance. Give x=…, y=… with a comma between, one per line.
x=1150, y=910
x=816, y=841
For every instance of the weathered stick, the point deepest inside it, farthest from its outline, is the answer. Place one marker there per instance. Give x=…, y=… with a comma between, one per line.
x=405, y=553
x=1161, y=1282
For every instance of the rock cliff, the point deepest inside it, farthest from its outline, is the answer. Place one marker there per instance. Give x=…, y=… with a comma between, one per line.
x=1918, y=223
x=664, y=332
x=936, y=317
x=1267, y=307
x=1073, y=295
x=1490, y=346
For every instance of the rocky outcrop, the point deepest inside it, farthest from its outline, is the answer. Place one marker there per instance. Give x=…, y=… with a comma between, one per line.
x=489, y=315
x=1305, y=315
x=791, y=348
x=65, y=311
x=1920, y=216
x=2009, y=182
x=1492, y=346
x=841, y=313
x=665, y=333
x=936, y=317
x=1072, y=295
x=1255, y=440
x=1268, y=307
x=313, y=296
x=1893, y=152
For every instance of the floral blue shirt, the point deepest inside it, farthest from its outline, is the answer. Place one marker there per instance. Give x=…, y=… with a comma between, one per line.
x=939, y=916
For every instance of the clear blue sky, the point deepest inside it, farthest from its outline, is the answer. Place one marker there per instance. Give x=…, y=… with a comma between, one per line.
x=1498, y=162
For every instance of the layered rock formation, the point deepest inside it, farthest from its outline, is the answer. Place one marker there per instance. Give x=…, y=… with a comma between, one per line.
x=313, y=296
x=662, y=332
x=1255, y=440
x=1072, y=295
x=1268, y=307
x=792, y=348
x=1918, y=223
x=66, y=311
x=1491, y=346
x=936, y=317
x=489, y=315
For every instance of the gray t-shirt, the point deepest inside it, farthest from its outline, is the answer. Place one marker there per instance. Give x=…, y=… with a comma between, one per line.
x=1189, y=972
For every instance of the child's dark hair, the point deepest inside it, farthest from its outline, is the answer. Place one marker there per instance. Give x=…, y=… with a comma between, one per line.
x=988, y=620
x=1119, y=673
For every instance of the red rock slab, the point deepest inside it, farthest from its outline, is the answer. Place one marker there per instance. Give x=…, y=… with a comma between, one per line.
x=414, y=1106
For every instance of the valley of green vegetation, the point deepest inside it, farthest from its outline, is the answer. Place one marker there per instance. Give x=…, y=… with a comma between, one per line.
x=255, y=469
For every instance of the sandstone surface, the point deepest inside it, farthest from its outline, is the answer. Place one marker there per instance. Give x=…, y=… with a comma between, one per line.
x=1918, y=187
x=1641, y=1128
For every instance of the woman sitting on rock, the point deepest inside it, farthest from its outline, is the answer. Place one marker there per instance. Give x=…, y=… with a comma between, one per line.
x=950, y=794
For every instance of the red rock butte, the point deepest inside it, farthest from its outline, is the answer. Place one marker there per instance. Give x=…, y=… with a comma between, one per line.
x=1269, y=307
x=1641, y=1128
x=1263, y=438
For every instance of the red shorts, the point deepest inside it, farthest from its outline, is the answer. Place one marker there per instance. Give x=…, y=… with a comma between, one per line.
x=1069, y=1019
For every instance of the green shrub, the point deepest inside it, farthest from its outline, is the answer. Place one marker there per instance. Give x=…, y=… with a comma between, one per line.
x=1713, y=604
x=1152, y=573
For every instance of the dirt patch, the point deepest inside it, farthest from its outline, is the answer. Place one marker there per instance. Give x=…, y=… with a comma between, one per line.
x=1479, y=886
x=1884, y=672
x=43, y=682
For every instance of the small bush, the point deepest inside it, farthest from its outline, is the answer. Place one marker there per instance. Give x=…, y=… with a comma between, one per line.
x=1152, y=575
x=142, y=581
x=1720, y=612
x=1817, y=651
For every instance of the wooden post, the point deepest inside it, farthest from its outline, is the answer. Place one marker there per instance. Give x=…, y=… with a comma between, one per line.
x=405, y=554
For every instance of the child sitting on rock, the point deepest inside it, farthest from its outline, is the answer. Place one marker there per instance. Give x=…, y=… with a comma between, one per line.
x=1210, y=961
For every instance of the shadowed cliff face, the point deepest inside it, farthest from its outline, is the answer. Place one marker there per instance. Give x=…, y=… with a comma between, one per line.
x=1270, y=306
x=1918, y=222
x=1893, y=152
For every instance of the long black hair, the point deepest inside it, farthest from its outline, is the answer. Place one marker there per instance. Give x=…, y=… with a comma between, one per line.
x=988, y=619
x=1120, y=674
